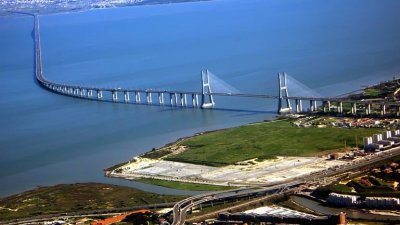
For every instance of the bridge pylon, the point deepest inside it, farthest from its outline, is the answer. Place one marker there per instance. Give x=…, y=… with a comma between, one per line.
x=207, y=100
x=283, y=95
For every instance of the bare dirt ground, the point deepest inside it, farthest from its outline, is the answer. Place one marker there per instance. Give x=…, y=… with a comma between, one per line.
x=249, y=172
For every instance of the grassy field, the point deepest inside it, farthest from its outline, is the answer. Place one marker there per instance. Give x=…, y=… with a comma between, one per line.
x=75, y=198
x=266, y=141
x=183, y=185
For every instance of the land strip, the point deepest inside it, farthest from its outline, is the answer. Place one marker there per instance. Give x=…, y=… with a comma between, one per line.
x=242, y=156
x=86, y=198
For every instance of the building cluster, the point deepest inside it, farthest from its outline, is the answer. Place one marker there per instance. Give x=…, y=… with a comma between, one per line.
x=343, y=200
x=380, y=141
x=274, y=215
x=390, y=171
x=345, y=122
x=364, y=123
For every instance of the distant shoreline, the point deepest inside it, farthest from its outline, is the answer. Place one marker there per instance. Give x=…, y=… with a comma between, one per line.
x=49, y=10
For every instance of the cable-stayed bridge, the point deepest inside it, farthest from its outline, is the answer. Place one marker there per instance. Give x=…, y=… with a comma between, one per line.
x=203, y=98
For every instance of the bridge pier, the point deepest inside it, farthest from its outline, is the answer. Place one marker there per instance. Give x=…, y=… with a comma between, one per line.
x=299, y=106
x=195, y=100
x=176, y=99
x=114, y=96
x=340, y=107
x=90, y=93
x=354, y=108
x=161, y=98
x=137, y=97
x=181, y=100
x=313, y=105
x=368, y=109
x=126, y=96
x=149, y=98
x=383, y=109
x=99, y=94
x=82, y=93
x=171, y=99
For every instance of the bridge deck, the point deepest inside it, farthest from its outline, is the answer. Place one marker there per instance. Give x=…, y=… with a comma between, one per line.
x=47, y=83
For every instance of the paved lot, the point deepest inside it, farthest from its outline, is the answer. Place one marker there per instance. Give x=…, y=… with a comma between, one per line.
x=248, y=172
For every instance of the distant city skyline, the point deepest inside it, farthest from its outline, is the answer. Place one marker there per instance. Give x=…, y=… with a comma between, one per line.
x=54, y=6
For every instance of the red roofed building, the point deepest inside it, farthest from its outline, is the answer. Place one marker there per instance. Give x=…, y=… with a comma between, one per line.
x=116, y=219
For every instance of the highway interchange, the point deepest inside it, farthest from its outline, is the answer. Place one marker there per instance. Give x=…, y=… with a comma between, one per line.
x=181, y=208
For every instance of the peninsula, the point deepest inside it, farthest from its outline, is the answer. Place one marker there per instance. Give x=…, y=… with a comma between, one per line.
x=265, y=152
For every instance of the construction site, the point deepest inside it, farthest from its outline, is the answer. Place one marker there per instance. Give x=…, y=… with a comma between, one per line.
x=251, y=172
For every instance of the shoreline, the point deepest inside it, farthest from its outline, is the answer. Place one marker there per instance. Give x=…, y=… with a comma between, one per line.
x=49, y=11
x=180, y=139
x=152, y=165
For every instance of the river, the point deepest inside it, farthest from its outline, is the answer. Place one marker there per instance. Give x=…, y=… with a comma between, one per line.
x=351, y=213
x=332, y=47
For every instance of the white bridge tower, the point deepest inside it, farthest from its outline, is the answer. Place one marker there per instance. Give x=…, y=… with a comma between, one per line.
x=283, y=95
x=207, y=100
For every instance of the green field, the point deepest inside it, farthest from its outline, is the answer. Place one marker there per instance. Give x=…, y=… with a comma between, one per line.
x=74, y=198
x=266, y=141
x=184, y=186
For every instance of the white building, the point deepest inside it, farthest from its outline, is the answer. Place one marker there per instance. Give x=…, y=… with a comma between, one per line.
x=376, y=138
x=367, y=143
x=387, y=134
x=381, y=202
x=342, y=200
x=395, y=133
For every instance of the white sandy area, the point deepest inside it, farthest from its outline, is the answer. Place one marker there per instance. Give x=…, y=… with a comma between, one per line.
x=252, y=173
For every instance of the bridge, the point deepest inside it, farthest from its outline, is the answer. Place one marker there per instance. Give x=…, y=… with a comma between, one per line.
x=202, y=99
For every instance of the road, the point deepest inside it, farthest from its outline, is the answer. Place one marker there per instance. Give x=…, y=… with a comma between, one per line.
x=91, y=213
x=180, y=209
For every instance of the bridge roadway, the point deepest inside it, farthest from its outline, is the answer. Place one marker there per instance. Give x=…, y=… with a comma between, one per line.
x=176, y=98
x=181, y=208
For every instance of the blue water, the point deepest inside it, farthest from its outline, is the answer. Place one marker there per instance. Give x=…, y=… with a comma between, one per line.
x=330, y=46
